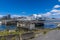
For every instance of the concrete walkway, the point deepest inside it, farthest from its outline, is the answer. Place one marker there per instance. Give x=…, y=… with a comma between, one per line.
x=52, y=35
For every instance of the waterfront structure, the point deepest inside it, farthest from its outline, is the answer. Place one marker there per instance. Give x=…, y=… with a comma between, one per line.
x=0, y=23
x=28, y=36
x=58, y=26
x=32, y=24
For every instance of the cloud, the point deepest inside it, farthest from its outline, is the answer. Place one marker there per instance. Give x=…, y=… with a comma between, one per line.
x=1, y=15
x=47, y=14
x=37, y=15
x=15, y=16
x=58, y=0
x=23, y=12
x=34, y=15
x=54, y=12
x=57, y=6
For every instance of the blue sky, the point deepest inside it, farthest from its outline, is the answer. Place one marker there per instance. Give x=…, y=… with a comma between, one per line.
x=27, y=7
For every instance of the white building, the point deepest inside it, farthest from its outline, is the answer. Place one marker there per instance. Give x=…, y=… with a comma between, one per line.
x=0, y=23
x=30, y=24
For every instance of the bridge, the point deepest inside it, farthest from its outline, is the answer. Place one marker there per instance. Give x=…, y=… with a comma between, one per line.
x=29, y=21
x=8, y=21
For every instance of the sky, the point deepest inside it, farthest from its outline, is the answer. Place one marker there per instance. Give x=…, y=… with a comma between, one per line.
x=48, y=8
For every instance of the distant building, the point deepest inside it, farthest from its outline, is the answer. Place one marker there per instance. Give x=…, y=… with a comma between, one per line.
x=6, y=17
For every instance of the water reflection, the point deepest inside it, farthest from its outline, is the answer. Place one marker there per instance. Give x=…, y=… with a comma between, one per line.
x=4, y=27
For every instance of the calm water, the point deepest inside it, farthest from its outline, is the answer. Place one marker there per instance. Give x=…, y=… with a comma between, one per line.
x=47, y=25
x=3, y=27
x=51, y=25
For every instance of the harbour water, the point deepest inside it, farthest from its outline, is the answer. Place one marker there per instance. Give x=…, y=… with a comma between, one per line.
x=48, y=23
x=3, y=27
